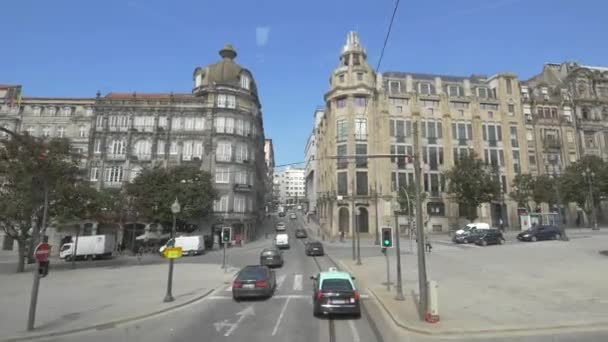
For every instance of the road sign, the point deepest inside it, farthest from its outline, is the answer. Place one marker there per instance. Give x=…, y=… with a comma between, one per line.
x=42, y=251
x=172, y=252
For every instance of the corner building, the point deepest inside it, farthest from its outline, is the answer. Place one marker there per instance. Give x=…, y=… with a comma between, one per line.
x=374, y=114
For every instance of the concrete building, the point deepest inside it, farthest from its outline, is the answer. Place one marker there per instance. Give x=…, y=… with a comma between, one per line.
x=310, y=168
x=269, y=160
x=291, y=186
x=455, y=114
x=218, y=127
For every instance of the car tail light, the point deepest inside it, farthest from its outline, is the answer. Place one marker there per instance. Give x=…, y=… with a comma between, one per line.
x=319, y=295
x=356, y=295
x=236, y=284
x=260, y=284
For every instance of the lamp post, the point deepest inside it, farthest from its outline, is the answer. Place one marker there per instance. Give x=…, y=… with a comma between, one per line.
x=175, y=209
x=396, y=209
x=558, y=199
x=590, y=178
x=357, y=217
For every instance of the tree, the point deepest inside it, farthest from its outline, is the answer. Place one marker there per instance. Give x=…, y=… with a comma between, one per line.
x=154, y=190
x=523, y=188
x=29, y=168
x=544, y=190
x=575, y=188
x=470, y=183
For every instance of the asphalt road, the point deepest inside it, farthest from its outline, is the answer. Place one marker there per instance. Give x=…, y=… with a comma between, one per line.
x=287, y=316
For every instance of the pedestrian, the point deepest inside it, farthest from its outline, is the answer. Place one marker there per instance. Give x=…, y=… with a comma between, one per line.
x=342, y=236
x=501, y=225
x=427, y=244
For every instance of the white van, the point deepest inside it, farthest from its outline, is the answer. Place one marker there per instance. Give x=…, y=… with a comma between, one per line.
x=191, y=245
x=281, y=240
x=477, y=225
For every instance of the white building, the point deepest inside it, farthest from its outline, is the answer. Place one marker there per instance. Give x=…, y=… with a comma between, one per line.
x=291, y=186
x=311, y=163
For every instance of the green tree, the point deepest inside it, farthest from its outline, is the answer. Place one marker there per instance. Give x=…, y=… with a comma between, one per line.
x=470, y=183
x=154, y=190
x=29, y=168
x=575, y=188
x=544, y=190
x=406, y=192
x=523, y=188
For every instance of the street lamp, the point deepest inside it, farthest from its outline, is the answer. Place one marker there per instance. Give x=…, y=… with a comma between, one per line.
x=175, y=209
x=396, y=209
x=560, y=225
x=590, y=178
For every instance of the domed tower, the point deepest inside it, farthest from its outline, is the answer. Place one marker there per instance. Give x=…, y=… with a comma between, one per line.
x=235, y=141
x=351, y=127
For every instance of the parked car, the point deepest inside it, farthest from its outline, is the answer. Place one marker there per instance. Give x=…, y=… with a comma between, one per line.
x=271, y=257
x=469, y=235
x=335, y=293
x=281, y=240
x=542, y=232
x=301, y=233
x=314, y=248
x=490, y=237
x=281, y=214
x=254, y=281
x=293, y=216
x=280, y=227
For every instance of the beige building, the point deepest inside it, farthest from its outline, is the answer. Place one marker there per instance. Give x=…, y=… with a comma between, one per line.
x=375, y=114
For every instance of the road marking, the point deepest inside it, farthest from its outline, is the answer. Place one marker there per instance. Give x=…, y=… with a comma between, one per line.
x=244, y=313
x=297, y=282
x=229, y=288
x=220, y=325
x=276, y=326
x=281, y=280
x=353, y=329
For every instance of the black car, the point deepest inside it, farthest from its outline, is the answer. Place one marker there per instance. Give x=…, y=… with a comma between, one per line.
x=254, y=281
x=490, y=237
x=314, y=248
x=542, y=232
x=335, y=293
x=301, y=233
x=282, y=214
x=468, y=235
x=271, y=257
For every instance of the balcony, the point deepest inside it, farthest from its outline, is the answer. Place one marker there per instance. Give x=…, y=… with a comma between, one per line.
x=432, y=140
x=463, y=142
x=141, y=157
x=238, y=187
x=116, y=157
x=142, y=128
x=552, y=144
x=492, y=142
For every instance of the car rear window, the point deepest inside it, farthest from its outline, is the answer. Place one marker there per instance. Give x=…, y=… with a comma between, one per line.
x=336, y=285
x=314, y=244
x=256, y=273
x=268, y=253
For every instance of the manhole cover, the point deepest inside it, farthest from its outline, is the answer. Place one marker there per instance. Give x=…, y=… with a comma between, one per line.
x=604, y=253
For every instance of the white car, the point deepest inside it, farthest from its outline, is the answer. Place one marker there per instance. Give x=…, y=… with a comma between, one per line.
x=280, y=227
x=293, y=216
x=281, y=240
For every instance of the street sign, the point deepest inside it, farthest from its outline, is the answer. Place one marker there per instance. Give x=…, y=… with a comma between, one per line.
x=42, y=251
x=173, y=252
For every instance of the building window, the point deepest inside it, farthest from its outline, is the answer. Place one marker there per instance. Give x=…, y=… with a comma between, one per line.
x=174, y=148
x=60, y=131
x=162, y=122
x=435, y=209
x=459, y=105
x=509, y=86
x=221, y=100
x=66, y=111
x=341, y=150
x=229, y=125
x=529, y=135
x=484, y=93
x=426, y=88
x=569, y=137
x=82, y=131
x=455, y=90
x=241, y=153
x=220, y=125
x=46, y=131
x=114, y=174
x=462, y=131
x=221, y=205
x=97, y=146
x=244, y=82
x=532, y=159
x=359, y=76
x=360, y=101
x=361, y=183
x=342, y=183
x=223, y=152
x=341, y=102
x=222, y=175
x=239, y=127
x=94, y=174
x=50, y=111
x=341, y=130
x=341, y=78
x=187, y=150
x=361, y=150
x=511, y=109
x=361, y=129
x=176, y=124
x=516, y=166
x=514, y=141
x=241, y=178
x=160, y=147
x=432, y=129
x=118, y=147
x=36, y=110
x=189, y=124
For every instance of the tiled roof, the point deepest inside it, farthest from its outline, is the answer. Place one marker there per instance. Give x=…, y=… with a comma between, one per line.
x=448, y=78
x=148, y=96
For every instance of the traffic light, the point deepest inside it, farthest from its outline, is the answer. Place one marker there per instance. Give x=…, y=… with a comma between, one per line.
x=387, y=237
x=226, y=234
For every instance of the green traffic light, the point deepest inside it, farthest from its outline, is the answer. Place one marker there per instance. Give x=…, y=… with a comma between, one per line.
x=386, y=242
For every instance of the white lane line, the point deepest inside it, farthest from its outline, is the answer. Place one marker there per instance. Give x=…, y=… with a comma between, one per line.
x=297, y=282
x=353, y=329
x=281, y=280
x=229, y=288
x=276, y=326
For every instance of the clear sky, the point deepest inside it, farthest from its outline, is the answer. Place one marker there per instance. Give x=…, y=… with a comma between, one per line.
x=75, y=47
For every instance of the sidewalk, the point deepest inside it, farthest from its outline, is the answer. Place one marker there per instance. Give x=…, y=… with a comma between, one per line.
x=70, y=301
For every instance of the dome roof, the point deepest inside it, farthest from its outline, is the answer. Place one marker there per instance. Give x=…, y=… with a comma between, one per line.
x=226, y=71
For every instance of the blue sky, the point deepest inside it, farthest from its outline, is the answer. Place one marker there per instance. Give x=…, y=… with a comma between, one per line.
x=75, y=47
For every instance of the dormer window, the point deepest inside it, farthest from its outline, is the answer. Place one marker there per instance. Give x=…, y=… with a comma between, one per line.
x=394, y=87
x=455, y=90
x=426, y=88
x=50, y=111
x=37, y=110
x=244, y=82
x=483, y=92
x=66, y=111
x=198, y=80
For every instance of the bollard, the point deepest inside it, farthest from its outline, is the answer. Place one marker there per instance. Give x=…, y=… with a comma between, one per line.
x=432, y=315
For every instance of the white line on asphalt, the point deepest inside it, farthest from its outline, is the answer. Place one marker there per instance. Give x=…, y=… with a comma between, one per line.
x=229, y=288
x=242, y=314
x=281, y=280
x=276, y=326
x=297, y=282
x=353, y=329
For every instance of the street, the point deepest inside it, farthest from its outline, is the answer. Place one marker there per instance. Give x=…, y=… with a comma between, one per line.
x=287, y=316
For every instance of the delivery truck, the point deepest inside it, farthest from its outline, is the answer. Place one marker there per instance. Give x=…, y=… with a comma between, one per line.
x=88, y=247
x=191, y=245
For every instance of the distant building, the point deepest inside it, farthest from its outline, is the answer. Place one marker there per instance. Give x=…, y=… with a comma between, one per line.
x=311, y=163
x=291, y=186
x=269, y=159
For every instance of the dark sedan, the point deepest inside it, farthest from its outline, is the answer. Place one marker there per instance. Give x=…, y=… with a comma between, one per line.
x=490, y=237
x=301, y=233
x=468, y=236
x=314, y=248
x=254, y=281
x=543, y=232
x=271, y=257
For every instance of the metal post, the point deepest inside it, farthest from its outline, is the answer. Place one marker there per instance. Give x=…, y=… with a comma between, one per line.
x=409, y=213
x=377, y=239
x=593, y=212
x=224, y=255
x=358, y=239
x=169, y=295
x=352, y=229
x=31, y=318
x=421, y=257
x=388, y=271
x=398, y=254
x=75, y=248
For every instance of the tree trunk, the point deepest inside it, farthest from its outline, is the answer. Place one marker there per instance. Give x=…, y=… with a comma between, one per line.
x=21, y=255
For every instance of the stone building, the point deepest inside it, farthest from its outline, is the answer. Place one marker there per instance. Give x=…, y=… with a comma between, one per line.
x=310, y=168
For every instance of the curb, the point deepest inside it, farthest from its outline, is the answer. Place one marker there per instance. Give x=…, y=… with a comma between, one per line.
x=114, y=323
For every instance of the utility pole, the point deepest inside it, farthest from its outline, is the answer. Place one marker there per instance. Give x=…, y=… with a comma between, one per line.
x=398, y=254
x=352, y=230
x=377, y=239
x=420, y=231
